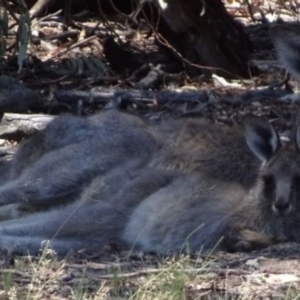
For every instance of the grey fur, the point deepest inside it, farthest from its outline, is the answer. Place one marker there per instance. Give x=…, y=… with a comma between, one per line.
x=56, y=164
x=286, y=39
x=196, y=211
x=181, y=185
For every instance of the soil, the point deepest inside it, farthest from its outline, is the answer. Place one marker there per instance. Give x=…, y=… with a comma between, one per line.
x=269, y=274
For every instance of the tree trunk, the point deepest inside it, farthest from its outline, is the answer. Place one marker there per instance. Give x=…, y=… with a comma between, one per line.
x=205, y=34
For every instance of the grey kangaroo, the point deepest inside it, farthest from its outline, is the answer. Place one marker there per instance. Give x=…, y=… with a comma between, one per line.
x=55, y=165
x=151, y=192
x=286, y=39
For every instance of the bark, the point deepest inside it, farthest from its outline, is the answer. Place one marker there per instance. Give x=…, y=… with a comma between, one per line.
x=17, y=126
x=104, y=96
x=120, y=97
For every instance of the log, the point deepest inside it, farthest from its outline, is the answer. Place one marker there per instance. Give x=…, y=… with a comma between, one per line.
x=17, y=126
x=104, y=96
x=165, y=97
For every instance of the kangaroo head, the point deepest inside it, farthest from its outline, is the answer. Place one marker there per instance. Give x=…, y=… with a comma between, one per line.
x=278, y=183
x=286, y=39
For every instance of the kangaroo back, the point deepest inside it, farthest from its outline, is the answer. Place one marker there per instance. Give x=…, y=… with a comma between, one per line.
x=193, y=145
x=108, y=129
x=56, y=164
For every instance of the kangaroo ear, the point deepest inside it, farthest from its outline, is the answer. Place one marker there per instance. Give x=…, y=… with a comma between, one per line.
x=297, y=140
x=286, y=40
x=261, y=138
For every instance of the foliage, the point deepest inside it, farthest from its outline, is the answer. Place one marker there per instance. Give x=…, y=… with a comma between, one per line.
x=23, y=22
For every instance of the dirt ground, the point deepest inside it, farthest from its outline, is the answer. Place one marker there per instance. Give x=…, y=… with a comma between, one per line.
x=269, y=274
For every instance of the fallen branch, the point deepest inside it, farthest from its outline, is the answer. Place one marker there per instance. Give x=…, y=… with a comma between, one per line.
x=256, y=96
x=17, y=126
x=103, y=96
x=38, y=7
x=218, y=271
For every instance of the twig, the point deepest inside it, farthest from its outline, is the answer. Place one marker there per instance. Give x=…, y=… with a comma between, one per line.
x=223, y=272
x=38, y=7
x=165, y=43
x=46, y=17
x=15, y=272
x=6, y=5
x=128, y=17
x=80, y=43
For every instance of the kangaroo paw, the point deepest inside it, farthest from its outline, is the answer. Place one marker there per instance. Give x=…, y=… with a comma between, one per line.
x=248, y=240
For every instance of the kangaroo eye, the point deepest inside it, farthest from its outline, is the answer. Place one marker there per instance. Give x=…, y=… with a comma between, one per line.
x=268, y=180
x=296, y=180
x=269, y=186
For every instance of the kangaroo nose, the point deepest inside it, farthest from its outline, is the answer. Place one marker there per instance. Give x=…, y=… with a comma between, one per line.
x=282, y=207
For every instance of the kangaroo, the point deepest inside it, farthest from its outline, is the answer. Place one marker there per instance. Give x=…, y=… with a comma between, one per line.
x=152, y=207
x=196, y=211
x=218, y=151
x=55, y=165
x=286, y=39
